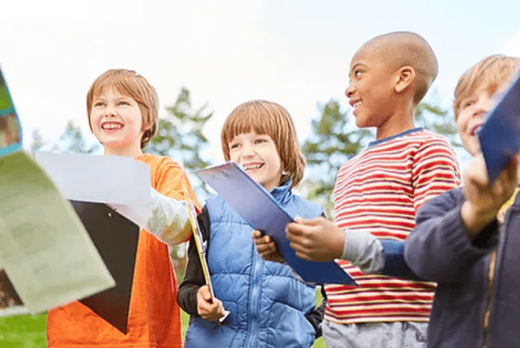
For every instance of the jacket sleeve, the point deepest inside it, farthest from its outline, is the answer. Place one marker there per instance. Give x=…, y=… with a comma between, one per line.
x=194, y=276
x=395, y=263
x=377, y=256
x=315, y=317
x=439, y=249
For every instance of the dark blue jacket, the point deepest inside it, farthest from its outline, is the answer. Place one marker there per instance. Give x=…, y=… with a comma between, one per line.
x=475, y=304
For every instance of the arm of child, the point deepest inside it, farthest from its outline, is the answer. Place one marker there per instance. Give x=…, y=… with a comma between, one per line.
x=193, y=296
x=169, y=221
x=447, y=240
x=321, y=240
x=434, y=171
x=315, y=317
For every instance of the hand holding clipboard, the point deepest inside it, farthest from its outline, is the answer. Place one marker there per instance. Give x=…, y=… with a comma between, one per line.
x=201, y=246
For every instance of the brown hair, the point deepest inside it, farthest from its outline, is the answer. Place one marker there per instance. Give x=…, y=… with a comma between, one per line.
x=130, y=83
x=264, y=117
x=491, y=73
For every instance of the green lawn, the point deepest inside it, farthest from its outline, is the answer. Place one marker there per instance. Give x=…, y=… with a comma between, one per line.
x=29, y=331
x=23, y=331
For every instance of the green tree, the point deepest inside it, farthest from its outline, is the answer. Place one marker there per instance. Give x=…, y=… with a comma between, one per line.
x=334, y=139
x=71, y=140
x=180, y=136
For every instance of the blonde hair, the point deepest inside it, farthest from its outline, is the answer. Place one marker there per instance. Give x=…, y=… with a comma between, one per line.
x=490, y=73
x=130, y=83
x=264, y=117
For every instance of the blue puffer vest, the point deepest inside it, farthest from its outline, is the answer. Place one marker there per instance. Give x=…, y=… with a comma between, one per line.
x=267, y=304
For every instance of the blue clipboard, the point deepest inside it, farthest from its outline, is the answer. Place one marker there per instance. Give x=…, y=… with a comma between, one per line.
x=500, y=135
x=251, y=201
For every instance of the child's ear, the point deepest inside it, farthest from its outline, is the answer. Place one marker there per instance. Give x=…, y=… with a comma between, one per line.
x=404, y=79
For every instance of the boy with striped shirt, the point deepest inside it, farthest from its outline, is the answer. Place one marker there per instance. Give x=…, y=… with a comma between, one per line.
x=379, y=191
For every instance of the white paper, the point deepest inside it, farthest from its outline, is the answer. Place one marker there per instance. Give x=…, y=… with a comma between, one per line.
x=121, y=182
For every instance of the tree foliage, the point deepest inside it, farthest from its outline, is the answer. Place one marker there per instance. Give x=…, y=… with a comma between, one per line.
x=71, y=140
x=180, y=133
x=334, y=139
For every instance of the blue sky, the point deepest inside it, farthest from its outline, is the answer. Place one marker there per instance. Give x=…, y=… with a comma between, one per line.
x=226, y=52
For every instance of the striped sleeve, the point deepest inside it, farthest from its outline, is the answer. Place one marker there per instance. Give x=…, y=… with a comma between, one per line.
x=435, y=170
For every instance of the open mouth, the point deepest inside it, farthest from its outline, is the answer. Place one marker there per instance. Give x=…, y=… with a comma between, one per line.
x=476, y=128
x=254, y=166
x=111, y=126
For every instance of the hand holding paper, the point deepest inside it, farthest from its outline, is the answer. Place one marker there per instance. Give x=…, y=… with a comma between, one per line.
x=266, y=247
x=263, y=213
x=316, y=239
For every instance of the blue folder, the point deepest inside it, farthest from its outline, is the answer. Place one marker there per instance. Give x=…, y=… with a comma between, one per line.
x=251, y=201
x=500, y=135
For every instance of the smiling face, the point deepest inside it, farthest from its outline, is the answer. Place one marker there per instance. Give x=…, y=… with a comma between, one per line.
x=370, y=88
x=258, y=155
x=471, y=114
x=117, y=122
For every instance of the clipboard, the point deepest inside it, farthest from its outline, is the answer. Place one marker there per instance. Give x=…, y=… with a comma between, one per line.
x=197, y=236
x=115, y=238
x=500, y=135
x=251, y=201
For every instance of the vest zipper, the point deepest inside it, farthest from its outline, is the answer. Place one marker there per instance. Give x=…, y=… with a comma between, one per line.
x=253, y=300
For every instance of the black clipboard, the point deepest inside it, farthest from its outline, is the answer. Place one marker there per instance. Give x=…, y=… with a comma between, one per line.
x=115, y=238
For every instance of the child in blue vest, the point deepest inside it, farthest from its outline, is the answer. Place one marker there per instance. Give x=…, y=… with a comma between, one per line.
x=268, y=306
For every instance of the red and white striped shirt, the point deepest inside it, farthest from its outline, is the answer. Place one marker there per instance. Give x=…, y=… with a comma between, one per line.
x=379, y=191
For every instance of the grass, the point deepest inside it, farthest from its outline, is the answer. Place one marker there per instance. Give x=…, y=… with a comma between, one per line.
x=27, y=331
x=24, y=331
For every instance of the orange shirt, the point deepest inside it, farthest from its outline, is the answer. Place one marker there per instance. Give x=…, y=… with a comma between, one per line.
x=154, y=319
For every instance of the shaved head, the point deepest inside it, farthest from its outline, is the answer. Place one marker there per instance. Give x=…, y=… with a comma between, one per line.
x=400, y=49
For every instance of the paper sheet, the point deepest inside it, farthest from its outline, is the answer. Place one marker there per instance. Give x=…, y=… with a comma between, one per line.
x=121, y=182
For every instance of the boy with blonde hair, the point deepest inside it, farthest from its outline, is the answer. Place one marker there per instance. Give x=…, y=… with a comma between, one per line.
x=122, y=108
x=467, y=239
x=379, y=191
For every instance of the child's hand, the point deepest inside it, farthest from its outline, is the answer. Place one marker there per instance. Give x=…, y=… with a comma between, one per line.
x=209, y=311
x=483, y=201
x=316, y=240
x=266, y=247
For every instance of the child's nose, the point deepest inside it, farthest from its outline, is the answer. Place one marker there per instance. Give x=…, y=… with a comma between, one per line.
x=110, y=112
x=349, y=91
x=247, y=151
x=483, y=106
